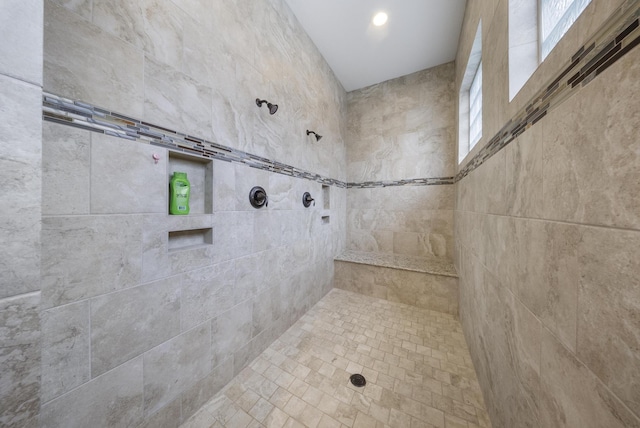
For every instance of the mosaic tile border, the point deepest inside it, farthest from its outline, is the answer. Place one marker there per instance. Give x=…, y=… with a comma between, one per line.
x=615, y=38
x=82, y=115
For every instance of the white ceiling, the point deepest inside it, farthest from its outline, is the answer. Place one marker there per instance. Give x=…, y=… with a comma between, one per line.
x=419, y=34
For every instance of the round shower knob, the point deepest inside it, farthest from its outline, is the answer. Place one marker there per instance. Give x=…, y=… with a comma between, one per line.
x=258, y=197
x=307, y=199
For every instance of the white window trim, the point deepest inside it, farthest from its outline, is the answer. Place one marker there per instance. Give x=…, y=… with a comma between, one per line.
x=475, y=57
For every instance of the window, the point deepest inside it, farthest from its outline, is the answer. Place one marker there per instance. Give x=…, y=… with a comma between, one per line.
x=475, y=108
x=470, y=101
x=556, y=16
x=535, y=27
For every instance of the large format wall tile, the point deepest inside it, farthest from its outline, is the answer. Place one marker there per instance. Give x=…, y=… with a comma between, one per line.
x=125, y=179
x=20, y=360
x=572, y=396
x=206, y=293
x=21, y=23
x=129, y=322
x=66, y=349
x=66, y=157
x=87, y=256
x=591, y=161
x=20, y=171
x=114, y=399
x=83, y=62
x=175, y=365
x=608, y=305
x=175, y=100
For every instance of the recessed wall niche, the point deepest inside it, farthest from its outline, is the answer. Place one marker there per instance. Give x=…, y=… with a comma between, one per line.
x=326, y=204
x=200, y=175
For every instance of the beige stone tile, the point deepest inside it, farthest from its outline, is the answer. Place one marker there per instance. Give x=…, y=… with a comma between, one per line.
x=276, y=419
x=580, y=399
x=328, y=422
x=589, y=175
x=608, y=304
x=72, y=47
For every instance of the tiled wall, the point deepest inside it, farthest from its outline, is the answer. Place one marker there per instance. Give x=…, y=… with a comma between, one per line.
x=398, y=130
x=128, y=318
x=547, y=236
x=20, y=157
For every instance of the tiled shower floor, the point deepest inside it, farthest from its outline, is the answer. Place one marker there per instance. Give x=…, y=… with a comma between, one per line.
x=416, y=363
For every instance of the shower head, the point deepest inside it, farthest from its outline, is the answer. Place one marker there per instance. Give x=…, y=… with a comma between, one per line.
x=273, y=108
x=314, y=133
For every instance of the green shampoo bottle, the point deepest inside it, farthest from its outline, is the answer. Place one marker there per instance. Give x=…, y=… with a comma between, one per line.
x=179, y=189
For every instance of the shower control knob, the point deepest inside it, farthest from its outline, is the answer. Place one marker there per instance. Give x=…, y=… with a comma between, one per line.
x=258, y=197
x=307, y=199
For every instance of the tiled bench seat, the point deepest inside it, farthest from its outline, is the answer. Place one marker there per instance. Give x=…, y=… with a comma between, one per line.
x=425, y=283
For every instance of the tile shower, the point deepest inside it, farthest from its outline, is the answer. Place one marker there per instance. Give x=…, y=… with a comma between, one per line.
x=116, y=314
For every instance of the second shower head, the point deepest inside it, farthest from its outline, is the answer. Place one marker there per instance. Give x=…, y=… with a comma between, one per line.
x=314, y=133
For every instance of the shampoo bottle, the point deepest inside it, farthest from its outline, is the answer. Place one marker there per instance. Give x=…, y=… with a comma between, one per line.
x=179, y=189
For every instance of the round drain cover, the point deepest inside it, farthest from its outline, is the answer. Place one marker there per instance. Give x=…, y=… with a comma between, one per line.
x=358, y=380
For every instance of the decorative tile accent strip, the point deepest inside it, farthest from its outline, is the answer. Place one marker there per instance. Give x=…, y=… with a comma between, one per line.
x=86, y=116
x=615, y=38
x=408, y=182
x=82, y=115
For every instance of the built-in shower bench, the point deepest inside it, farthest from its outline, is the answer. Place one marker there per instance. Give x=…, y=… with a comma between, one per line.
x=429, y=283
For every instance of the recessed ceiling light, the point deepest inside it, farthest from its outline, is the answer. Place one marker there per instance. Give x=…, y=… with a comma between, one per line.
x=380, y=19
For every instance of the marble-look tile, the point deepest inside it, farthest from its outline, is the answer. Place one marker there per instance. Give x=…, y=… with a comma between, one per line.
x=202, y=391
x=86, y=256
x=231, y=331
x=115, y=398
x=491, y=187
x=167, y=417
x=66, y=158
x=591, y=164
x=20, y=257
x=157, y=261
x=152, y=25
x=416, y=264
x=122, y=19
x=523, y=174
x=66, y=348
x=130, y=322
x=402, y=128
x=233, y=234
x=20, y=340
x=224, y=186
x=608, y=305
x=435, y=292
x=84, y=8
x=20, y=145
x=176, y=100
x=73, y=47
x=571, y=396
x=125, y=179
x=206, y=293
x=21, y=50
x=172, y=367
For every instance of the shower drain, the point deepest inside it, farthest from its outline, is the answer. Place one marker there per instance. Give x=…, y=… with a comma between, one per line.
x=358, y=380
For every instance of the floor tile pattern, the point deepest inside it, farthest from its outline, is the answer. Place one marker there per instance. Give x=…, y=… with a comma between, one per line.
x=418, y=370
